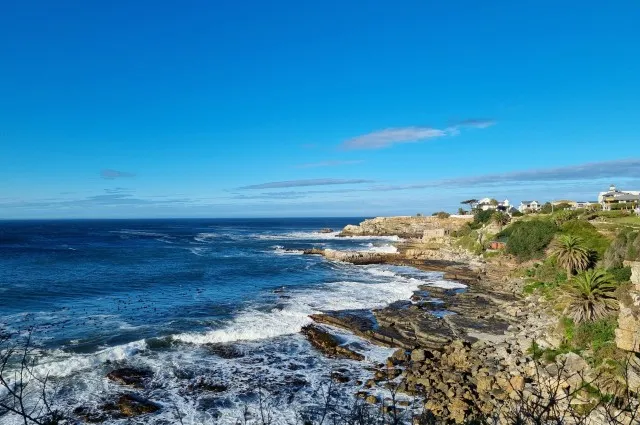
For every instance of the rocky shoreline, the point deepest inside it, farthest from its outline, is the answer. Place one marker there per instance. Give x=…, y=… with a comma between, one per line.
x=465, y=352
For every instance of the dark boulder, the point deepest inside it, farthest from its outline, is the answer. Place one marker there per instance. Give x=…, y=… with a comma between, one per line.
x=136, y=378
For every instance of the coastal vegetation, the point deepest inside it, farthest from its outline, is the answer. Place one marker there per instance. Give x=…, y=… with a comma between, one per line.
x=570, y=253
x=590, y=296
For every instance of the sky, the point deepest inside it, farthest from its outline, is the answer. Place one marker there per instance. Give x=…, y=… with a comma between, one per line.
x=297, y=108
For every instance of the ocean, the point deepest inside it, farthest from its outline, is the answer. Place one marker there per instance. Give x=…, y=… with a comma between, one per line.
x=192, y=300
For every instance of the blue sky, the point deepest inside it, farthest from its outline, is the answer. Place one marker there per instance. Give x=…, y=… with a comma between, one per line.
x=290, y=108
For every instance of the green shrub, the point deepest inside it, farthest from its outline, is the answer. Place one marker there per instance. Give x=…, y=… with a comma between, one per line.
x=462, y=231
x=614, y=214
x=516, y=213
x=633, y=247
x=547, y=208
x=620, y=274
x=563, y=216
x=598, y=337
x=595, y=336
x=441, y=214
x=528, y=239
x=591, y=238
x=482, y=217
x=626, y=246
x=471, y=242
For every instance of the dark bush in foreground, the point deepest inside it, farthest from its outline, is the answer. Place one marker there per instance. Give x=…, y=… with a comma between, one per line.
x=529, y=239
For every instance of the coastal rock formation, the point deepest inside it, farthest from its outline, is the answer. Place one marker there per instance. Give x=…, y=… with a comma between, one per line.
x=131, y=405
x=628, y=332
x=328, y=344
x=124, y=406
x=136, y=378
x=433, y=318
x=407, y=227
x=354, y=257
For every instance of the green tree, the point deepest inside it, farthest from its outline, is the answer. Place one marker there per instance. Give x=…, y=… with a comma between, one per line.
x=570, y=253
x=501, y=219
x=547, y=208
x=471, y=202
x=482, y=217
x=462, y=211
x=590, y=296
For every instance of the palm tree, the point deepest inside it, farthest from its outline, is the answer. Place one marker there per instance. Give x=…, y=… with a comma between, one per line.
x=570, y=253
x=590, y=296
x=501, y=219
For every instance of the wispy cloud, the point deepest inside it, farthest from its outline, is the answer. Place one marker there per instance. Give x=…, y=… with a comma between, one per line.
x=391, y=136
x=329, y=163
x=270, y=195
x=617, y=169
x=304, y=183
x=102, y=200
x=114, y=174
x=475, y=123
x=114, y=190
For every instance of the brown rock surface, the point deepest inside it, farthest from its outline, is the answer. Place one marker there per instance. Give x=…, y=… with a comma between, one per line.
x=130, y=376
x=328, y=344
x=628, y=331
x=404, y=227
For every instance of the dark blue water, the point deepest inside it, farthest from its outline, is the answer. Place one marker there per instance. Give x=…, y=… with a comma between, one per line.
x=159, y=293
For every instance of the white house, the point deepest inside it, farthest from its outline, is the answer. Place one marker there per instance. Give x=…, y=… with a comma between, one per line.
x=486, y=204
x=529, y=206
x=628, y=199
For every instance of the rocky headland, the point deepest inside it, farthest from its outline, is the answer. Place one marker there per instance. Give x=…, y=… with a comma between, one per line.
x=466, y=353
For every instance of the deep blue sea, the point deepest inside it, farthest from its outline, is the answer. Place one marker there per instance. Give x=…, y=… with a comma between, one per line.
x=190, y=299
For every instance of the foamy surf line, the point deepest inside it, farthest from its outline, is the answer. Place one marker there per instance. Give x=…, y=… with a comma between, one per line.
x=287, y=319
x=320, y=236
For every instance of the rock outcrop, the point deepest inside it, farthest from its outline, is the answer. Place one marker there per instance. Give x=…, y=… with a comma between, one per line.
x=328, y=344
x=354, y=257
x=628, y=332
x=407, y=227
x=136, y=378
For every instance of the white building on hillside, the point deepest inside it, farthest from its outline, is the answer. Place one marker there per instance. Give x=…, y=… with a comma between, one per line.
x=486, y=204
x=615, y=198
x=529, y=206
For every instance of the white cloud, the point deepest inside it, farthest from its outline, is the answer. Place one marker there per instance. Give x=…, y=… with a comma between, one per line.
x=304, y=183
x=329, y=163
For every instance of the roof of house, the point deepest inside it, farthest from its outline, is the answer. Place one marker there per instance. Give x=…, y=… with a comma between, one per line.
x=626, y=197
x=528, y=202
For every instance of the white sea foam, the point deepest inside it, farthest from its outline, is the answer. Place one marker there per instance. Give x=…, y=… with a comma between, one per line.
x=200, y=252
x=318, y=236
x=280, y=250
x=384, y=249
x=206, y=237
x=61, y=364
x=447, y=284
x=140, y=233
x=290, y=318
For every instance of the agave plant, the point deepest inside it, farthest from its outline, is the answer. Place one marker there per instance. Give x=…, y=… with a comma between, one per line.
x=590, y=296
x=570, y=253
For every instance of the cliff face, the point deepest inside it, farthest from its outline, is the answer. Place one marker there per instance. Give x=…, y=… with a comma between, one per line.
x=628, y=332
x=407, y=227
